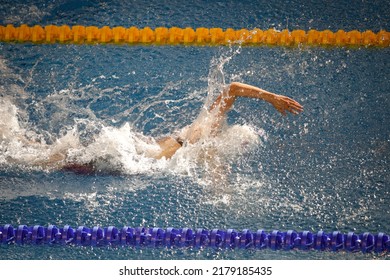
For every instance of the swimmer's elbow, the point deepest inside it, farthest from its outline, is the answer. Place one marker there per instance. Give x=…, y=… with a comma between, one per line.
x=237, y=89
x=236, y=84
x=234, y=87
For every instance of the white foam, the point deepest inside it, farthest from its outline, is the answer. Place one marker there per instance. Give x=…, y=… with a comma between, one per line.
x=117, y=149
x=9, y=125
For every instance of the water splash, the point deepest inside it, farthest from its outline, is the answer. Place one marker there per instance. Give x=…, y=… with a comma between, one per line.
x=216, y=77
x=86, y=138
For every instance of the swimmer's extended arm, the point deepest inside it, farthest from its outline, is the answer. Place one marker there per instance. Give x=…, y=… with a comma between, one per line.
x=281, y=103
x=222, y=104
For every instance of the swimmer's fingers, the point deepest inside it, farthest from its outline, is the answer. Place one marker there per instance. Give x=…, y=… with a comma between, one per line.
x=294, y=104
x=295, y=108
x=285, y=104
x=293, y=111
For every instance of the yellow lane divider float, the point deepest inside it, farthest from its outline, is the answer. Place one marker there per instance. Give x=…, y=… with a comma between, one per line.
x=188, y=36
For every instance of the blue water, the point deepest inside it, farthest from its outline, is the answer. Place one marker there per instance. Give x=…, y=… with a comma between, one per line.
x=325, y=169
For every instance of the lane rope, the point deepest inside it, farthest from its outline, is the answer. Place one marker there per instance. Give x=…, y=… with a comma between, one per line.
x=78, y=34
x=198, y=238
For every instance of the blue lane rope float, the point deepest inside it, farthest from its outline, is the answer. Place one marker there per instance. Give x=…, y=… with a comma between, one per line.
x=199, y=238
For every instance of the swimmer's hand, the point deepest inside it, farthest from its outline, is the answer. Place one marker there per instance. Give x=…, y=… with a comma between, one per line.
x=285, y=104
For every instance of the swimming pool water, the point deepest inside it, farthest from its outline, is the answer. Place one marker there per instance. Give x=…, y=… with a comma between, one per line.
x=327, y=168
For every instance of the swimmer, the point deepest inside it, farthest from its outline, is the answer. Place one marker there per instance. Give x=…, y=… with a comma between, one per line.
x=199, y=129
x=193, y=133
x=224, y=102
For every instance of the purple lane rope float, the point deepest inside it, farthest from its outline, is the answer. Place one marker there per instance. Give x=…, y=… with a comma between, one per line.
x=198, y=238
